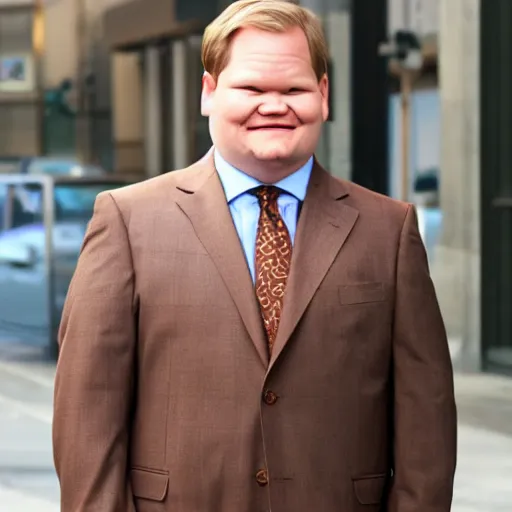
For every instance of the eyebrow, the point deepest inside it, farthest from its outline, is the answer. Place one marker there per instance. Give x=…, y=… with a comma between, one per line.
x=261, y=83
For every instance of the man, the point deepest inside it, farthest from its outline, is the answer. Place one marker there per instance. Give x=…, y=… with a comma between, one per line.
x=251, y=334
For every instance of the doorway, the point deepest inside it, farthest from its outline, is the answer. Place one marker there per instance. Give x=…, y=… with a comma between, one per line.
x=496, y=184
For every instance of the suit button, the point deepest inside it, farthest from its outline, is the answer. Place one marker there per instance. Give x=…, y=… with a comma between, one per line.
x=262, y=477
x=269, y=397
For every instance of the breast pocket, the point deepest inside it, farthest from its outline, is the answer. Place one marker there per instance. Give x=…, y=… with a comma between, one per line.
x=363, y=293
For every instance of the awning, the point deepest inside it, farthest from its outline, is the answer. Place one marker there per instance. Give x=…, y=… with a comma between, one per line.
x=134, y=24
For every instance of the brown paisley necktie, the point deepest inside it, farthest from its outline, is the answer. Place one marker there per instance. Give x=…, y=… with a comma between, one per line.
x=272, y=260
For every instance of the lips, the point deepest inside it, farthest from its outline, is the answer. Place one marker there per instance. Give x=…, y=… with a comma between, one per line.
x=272, y=127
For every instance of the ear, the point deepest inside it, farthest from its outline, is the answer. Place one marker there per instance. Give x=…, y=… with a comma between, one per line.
x=207, y=92
x=324, y=91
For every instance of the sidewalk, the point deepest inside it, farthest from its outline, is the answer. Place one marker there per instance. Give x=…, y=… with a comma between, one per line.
x=27, y=477
x=483, y=481
x=14, y=501
x=485, y=401
x=28, y=483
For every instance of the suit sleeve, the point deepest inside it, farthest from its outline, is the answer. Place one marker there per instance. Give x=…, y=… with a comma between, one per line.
x=425, y=424
x=95, y=370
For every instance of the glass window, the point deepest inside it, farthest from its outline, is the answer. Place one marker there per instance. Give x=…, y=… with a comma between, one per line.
x=27, y=205
x=16, y=31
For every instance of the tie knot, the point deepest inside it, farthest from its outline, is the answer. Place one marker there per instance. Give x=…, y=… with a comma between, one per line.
x=267, y=194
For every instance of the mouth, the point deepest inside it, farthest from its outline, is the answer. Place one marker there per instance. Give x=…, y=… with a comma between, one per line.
x=272, y=127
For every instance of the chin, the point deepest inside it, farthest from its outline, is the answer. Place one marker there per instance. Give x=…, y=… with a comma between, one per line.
x=272, y=154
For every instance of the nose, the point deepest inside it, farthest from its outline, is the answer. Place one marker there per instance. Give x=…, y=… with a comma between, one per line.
x=272, y=105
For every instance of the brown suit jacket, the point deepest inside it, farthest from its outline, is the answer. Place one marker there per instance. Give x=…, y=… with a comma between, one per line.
x=166, y=400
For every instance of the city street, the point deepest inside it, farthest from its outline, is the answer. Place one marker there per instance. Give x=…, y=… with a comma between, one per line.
x=28, y=482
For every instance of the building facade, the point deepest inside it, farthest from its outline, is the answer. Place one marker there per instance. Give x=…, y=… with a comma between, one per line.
x=61, y=102
x=118, y=82
x=151, y=54
x=472, y=264
x=20, y=78
x=471, y=267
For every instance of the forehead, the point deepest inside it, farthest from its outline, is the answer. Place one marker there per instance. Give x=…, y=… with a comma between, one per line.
x=261, y=50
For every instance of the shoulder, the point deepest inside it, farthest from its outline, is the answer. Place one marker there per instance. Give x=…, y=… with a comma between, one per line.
x=376, y=210
x=163, y=184
x=373, y=203
x=159, y=190
x=366, y=199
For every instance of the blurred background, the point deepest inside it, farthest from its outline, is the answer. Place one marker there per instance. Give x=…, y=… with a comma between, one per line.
x=95, y=94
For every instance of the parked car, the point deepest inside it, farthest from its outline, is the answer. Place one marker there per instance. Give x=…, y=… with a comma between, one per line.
x=40, y=241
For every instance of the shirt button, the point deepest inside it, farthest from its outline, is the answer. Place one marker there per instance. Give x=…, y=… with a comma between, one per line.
x=269, y=397
x=262, y=477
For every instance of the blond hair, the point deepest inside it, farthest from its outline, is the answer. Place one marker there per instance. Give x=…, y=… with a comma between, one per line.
x=269, y=15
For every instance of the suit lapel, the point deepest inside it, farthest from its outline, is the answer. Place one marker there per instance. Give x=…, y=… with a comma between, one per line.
x=324, y=225
x=203, y=200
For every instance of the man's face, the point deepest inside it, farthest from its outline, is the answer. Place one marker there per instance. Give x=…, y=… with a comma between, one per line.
x=267, y=107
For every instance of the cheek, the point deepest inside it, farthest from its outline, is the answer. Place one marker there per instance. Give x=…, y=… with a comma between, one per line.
x=307, y=109
x=233, y=107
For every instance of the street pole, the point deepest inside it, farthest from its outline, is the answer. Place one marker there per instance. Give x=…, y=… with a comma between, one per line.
x=38, y=43
x=405, y=96
x=406, y=55
x=81, y=120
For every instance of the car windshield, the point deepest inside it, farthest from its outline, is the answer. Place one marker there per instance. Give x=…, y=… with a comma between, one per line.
x=73, y=202
x=76, y=201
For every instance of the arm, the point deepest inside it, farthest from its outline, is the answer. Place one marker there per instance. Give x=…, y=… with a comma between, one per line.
x=425, y=423
x=95, y=371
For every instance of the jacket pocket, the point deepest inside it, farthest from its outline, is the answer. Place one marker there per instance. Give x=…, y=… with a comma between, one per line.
x=361, y=293
x=148, y=484
x=370, y=489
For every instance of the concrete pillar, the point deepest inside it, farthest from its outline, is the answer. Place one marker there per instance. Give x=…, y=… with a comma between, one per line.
x=339, y=129
x=152, y=112
x=334, y=149
x=456, y=264
x=60, y=41
x=180, y=101
x=127, y=113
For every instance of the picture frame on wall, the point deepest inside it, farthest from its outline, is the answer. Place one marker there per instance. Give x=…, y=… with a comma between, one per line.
x=17, y=73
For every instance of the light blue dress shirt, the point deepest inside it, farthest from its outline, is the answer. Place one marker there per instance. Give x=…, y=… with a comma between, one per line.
x=245, y=208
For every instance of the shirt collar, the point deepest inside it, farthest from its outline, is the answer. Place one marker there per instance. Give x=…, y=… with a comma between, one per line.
x=235, y=182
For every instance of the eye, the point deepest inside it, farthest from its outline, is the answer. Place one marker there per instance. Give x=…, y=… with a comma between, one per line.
x=250, y=88
x=295, y=90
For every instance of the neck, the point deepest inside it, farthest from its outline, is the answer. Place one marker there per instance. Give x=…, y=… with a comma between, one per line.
x=268, y=172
